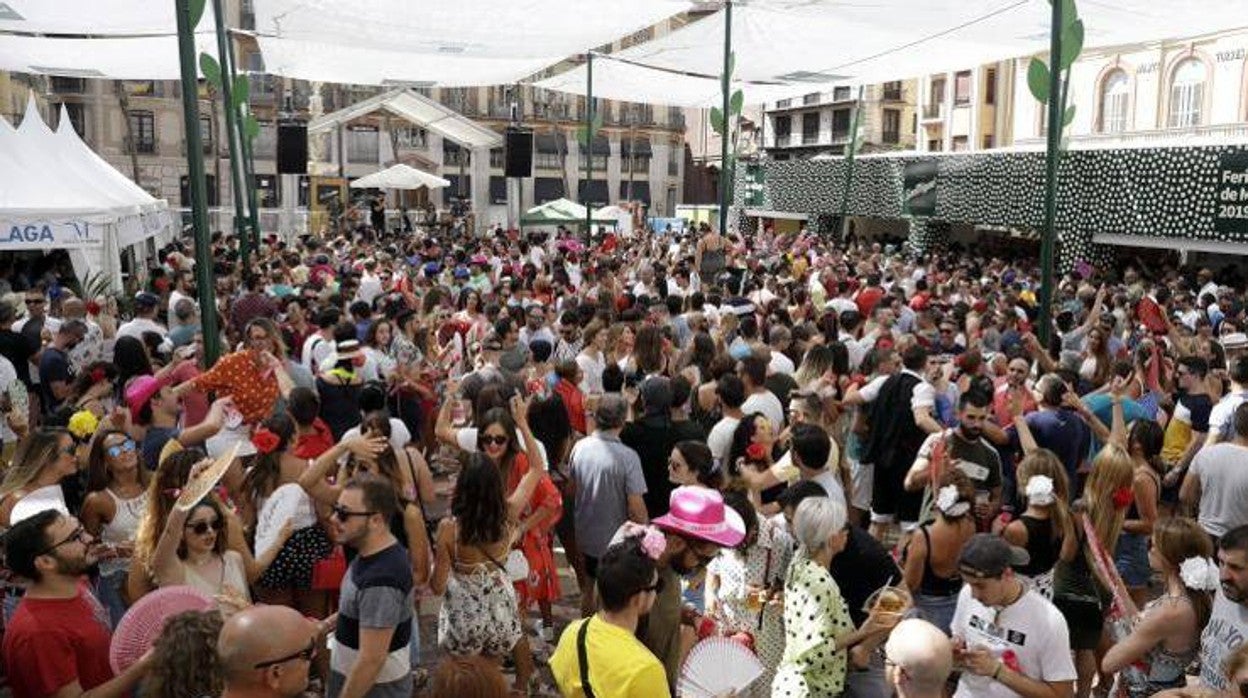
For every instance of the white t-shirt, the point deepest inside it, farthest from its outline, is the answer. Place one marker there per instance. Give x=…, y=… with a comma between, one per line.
x=767, y=404
x=136, y=327
x=1031, y=627
x=720, y=438
x=176, y=296
x=315, y=350
x=923, y=395
x=1220, y=417
x=780, y=364
x=1228, y=624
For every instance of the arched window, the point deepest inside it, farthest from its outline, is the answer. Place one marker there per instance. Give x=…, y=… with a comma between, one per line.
x=1187, y=94
x=1114, y=102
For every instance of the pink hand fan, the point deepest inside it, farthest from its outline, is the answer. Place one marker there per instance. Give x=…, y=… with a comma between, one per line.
x=143, y=623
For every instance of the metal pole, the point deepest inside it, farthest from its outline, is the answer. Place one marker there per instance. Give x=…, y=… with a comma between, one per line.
x=723, y=137
x=227, y=93
x=589, y=143
x=195, y=182
x=849, y=166
x=244, y=152
x=1049, y=233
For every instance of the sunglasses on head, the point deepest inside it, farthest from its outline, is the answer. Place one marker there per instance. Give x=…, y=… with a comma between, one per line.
x=119, y=448
x=489, y=440
x=199, y=528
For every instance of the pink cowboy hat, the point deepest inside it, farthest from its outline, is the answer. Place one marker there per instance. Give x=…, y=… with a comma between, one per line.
x=698, y=512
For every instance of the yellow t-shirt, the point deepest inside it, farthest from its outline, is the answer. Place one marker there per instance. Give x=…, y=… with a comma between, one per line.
x=619, y=665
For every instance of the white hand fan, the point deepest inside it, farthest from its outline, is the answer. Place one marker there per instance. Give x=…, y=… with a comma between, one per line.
x=287, y=503
x=143, y=623
x=716, y=665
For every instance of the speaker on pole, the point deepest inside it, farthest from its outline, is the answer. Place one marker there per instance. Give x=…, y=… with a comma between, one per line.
x=519, y=160
x=292, y=147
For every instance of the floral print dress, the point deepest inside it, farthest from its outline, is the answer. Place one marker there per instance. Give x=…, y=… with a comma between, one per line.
x=761, y=566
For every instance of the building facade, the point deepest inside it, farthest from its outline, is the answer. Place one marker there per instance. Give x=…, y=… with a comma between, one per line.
x=821, y=123
x=966, y=110
x=1149, y=94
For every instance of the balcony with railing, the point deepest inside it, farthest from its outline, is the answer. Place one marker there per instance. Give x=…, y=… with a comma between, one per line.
x=68, y=86
x=1219, y=134
x=810, y=138
x=262, y=88
x=892, y=92
x=933, y=112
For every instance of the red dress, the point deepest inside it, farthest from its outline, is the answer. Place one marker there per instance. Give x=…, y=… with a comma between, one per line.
x=543, y=581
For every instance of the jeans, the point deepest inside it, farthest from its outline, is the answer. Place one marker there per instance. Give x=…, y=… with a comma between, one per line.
x=108, y=589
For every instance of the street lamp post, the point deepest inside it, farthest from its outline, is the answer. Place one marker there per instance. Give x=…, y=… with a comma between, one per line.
x=1054, y=138
x=724, y=175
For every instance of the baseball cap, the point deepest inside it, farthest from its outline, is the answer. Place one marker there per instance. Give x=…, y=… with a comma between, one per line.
x=147, y=299
x=986, y=555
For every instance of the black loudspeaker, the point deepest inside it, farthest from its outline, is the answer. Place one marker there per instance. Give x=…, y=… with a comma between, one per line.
x=519, y=153
x=292, y=148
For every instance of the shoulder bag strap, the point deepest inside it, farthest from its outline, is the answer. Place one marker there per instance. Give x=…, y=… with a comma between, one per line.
x=582, y=657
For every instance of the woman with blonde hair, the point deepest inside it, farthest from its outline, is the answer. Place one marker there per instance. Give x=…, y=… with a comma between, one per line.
x=1080, y=590
x=1046, y=522
x=1166, y=633
x=42, y=460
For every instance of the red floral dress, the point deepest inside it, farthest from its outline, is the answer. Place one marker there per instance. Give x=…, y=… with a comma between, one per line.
x=543, y=581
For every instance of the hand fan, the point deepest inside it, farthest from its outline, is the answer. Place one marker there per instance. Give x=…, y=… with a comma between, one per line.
x=145, y=620
x=42, y=499
x=202, y=482
x=716, y=665
x=287, y=503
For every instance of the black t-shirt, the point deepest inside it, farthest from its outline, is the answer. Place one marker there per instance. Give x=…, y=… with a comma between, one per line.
x=781, y=385
x=18, y=350
x=860, y=569
x=53, y=367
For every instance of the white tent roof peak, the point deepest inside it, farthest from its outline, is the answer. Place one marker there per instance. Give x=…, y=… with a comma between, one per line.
x=420, y=110
x=400, y=176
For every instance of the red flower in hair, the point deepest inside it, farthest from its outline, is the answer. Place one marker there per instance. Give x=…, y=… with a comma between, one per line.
x=93, y=308
x=756, y=452
x=265, y=441
x=1123, y=497
x=98, y=375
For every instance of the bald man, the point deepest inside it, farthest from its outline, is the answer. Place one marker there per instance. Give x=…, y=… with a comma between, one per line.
x=91, y=348
x=918, y=659
x=266, y=652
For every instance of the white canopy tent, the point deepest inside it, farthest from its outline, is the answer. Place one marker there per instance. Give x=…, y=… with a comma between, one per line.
x=864, y=43
x=55, y=193
x=400, y=176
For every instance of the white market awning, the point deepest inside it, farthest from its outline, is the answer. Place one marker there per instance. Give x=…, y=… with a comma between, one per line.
x=400, y=176
x=421, y=111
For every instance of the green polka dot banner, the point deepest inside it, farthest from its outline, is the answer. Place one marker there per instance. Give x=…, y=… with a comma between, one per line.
x=1173, y=193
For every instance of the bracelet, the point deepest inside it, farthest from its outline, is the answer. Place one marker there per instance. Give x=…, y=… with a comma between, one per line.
x=997, y=673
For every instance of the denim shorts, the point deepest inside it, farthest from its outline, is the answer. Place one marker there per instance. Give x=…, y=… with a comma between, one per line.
x=1131, y=559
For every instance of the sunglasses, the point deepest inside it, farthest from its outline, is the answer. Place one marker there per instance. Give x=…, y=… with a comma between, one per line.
x=343, y=514
x=119, y=448
x=200, y=528
x=79, y=534
x=487, y=440
x=34, y=301
x=306, y=654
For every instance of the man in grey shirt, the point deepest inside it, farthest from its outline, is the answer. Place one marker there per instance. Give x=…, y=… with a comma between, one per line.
x=609, y=487
x=1218, y=480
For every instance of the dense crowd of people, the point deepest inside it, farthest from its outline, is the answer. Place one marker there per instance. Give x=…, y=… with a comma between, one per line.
x=859, y=462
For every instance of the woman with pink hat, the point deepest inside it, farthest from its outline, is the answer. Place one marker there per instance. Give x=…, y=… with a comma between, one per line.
x=697, y=525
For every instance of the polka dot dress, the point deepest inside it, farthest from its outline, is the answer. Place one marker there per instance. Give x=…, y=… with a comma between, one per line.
x=292, y=568
x=815, y=614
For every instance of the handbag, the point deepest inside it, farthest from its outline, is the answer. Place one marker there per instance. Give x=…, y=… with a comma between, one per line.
x=327, y=574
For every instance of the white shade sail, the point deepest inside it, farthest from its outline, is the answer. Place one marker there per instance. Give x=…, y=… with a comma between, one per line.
x=145, y=58
x=400, y=176
x=94, y=17
x=812, y=44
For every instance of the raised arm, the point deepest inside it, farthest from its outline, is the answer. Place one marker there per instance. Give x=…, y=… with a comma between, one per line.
x=537, y=465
